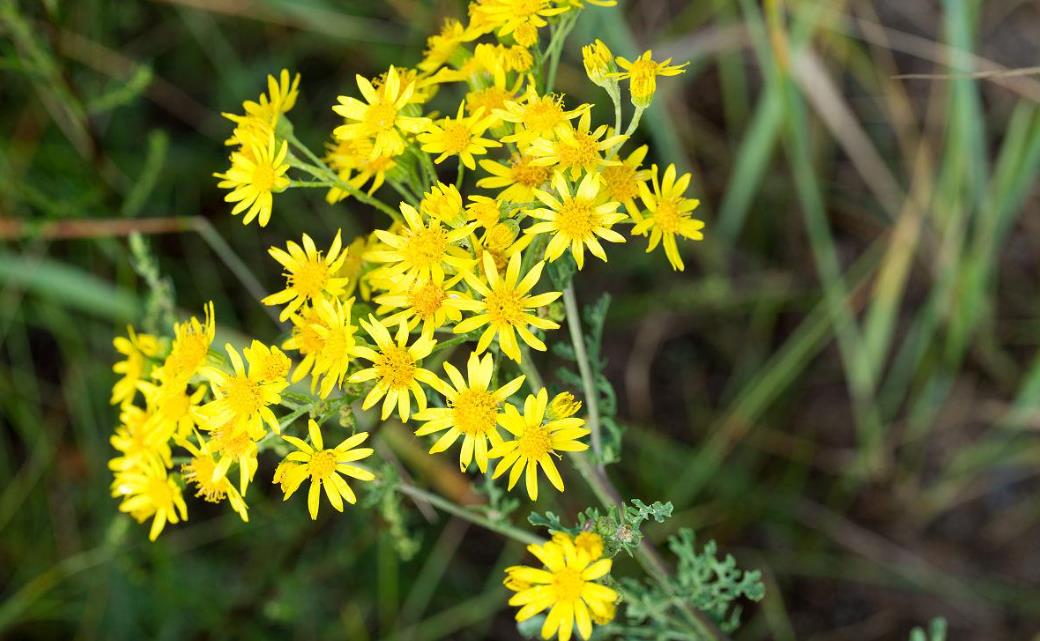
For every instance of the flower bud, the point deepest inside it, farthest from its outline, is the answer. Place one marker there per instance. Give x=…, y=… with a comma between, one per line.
x=599, y=63
x=563, y=405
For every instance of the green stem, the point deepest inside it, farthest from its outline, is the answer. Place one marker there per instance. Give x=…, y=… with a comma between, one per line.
x=588, y=383
x=476, y=518
x=458, y=178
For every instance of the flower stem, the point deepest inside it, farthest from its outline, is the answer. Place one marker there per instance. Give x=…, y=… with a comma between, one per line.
x=476, y=518
x=570, y=303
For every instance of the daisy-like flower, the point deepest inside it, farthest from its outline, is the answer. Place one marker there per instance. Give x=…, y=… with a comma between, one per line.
x=443, y=202
x=306, y=340
x=486, y=212
x=576, y=220
x=244, y=398
x=500, y=242
x=280, y=98
x=567, y=585
x=382, y=116
x=233, y=445
x=459, y=136
x=337, y=344
x=506, y=307
x=576, y=149
x=493, y=97
x=621, y=181
x=395, y=368
x=536, y=441
x=257, y=171
x=199, y=472
x=420, y=250
x=441, y=46
x=138, y=350
x=191, y=341
x=508, y=15
x=325, y=467
x=536, y=116
x=432, y=303
x=137, y=441
x=473, y=411
x=642, y=74
x=148, y=492
x=668, y=214
x=517, y=180
x=309, y=276
x=173, y=407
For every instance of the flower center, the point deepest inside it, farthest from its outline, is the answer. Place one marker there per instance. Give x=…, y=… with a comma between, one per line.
x=309, y=278
x=396, y=367
x=263, y=177
x=527, y=174
x=274, y=367
x=543, y=115
x=187, y=355
x=308, y=340
x=381, y=116
x=490, y=99
x=322, y=464
x=426, y=300
x=475, y=411
x=231, y=442
x=667, y=216
x=568, y=584
x=426, y=246
x=338, y=345
x=503, y=306
x=456, y=137
x=580, y=152
x=643, y=69
x=620, y=182
x=243, y=395
x=575, y=218
x=159, y=493
x=200, y=472
x=535, y=443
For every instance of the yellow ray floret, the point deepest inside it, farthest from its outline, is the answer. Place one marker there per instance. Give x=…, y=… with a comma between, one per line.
x=383, y=117
x=668, y=214
x=148, y=492
x=199, y=472
x=257, y=171
x=309, y=276
x=420, y=249
x=460, y=136
x=473, y=411
x=395, y=369
x=138, y=350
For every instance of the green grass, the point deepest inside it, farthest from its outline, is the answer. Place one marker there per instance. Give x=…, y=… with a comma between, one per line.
x=844, y=384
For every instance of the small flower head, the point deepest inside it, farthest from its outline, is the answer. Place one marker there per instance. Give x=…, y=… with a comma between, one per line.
x=383, y=116
x=257, y=171
x=309, y=276
x=517, y=180
x=243, y=397
x=576, y=150
x=444, y=203
x=473, y=411
x=138, y=349
x=599, y=63
x=191, y=342
x=535, y=442
x=563, y=405
x=325, y=468
x=395, y=369
x=642, y=76
x=506, y=305
x=567, y=585
x=336, y=334
x=669, y=214
x=460, y=136
x=421, y=249
x=432, y=303
x=200, y=472
x=147, y=492
x=576, y=220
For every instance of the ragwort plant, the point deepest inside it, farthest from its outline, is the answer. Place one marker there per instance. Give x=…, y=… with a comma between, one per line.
x=478, y=265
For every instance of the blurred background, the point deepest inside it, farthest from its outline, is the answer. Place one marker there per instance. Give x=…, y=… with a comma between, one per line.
x=842, y=389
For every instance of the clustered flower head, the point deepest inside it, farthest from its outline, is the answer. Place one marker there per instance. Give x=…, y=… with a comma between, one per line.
x=498, y=195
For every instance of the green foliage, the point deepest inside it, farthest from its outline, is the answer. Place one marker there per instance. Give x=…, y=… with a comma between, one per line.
x=936, y=631
x=711, y=585
x=621, y=528
x=158, y=309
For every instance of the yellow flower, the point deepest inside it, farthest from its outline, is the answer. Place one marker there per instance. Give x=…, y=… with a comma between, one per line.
x=621, y=181
x=190, y=347
x=337, y=344
x=444, y=203
x=580, y=4
x=138, y=349
x=599, y=63
x=505, y=307
x=420, y=250
x=576, y=150
x=642, y=74
x=199, y=472
x=147, y=492
x=566, y=586
x=243, y=398
x=501, y=242
x=395, y=368
x=507, y=15
x=353, y=162
x=324, y=467
x=519, y=179
x=309, y=276
x=257, y=171
x=433, y=303
x=562, y=406
x=537, y=441
x=668, y=214
x=137, y=441
x=536, y=116
x=473, y=411
x=232, y=445
x=492, y=98
x=280, y=98
x=576, y=220
x=173, y=407
x=382, y=117
x=460, y=136
x=441, y=47
x=305, y=339
x=354, y=266
x=486, y=212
